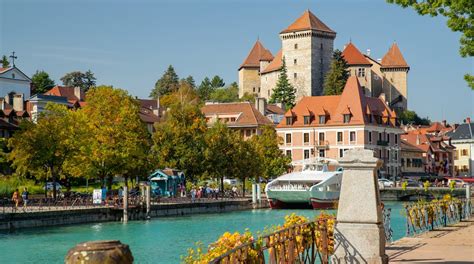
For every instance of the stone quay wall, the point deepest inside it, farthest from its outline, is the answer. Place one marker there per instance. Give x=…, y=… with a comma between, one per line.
x=20, y=220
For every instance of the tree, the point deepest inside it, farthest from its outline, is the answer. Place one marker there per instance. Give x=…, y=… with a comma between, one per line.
x=411, y=117
x=5, y=62
x=189, y=80
x=178, y=142
x=118, y=143
x=460, y=19
x=248, y=97
x=217, y=82
x=42, y=149
x=284, y=92
x=274, y=162
x=205, y=89
x=168, y=83
x=184, y=95
x=41, y=82
x=337, y=76
x=227, y=94
x=79, y=79
x=247, y=162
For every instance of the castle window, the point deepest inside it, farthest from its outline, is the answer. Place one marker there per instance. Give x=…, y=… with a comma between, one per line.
x=295, y=61
x=321, y=45
x=296, y=46
x=322, y=119
x=361, y=72
x=258, y=89
x=295, y=75
x=347, y=118
x=254, y=89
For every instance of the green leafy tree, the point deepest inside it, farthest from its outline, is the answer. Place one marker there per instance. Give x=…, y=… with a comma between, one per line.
x=5, y=62
x=85, y=80
x=205, y=89
x=184, y=95
x=460, y=18
x=337, y=76
x=167, y=84
x=42, y=149
x=248, y=97
x=190, y=80
x=227, y=94
x=411, y=117
x=274, y=162
x=178, y=142
x=118, y=141
x=284, y=92
x=41, y=82
x=217, y=82
x=247, y=163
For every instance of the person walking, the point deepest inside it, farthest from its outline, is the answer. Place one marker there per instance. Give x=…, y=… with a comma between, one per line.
x=16, y=198
x=24, y=196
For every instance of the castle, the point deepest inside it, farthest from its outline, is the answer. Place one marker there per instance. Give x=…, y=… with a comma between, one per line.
x=307, y=47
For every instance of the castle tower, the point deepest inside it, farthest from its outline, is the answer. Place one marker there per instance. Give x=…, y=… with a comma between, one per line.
x=395, y=69
x=360, y=67
x=249, y=71
x=307, y=47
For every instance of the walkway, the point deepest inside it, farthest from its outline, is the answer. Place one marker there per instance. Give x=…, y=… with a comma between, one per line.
x=453, y=244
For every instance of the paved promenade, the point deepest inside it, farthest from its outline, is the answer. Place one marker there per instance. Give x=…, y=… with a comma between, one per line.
x=453, y=244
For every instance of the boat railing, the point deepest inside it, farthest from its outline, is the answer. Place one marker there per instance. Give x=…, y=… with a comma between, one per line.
x=310, y=242
x=289, y=187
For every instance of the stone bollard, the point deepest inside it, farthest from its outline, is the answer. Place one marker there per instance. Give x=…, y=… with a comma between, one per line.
x=254, y=193
x=125, y=204
x=359, y=232
x=99, y=252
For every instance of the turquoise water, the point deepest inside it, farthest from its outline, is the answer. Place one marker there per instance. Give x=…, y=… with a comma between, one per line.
x=161, y=240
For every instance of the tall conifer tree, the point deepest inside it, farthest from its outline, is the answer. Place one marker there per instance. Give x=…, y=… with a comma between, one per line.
x=337, y=76
x=284, y=92
x=168, y=83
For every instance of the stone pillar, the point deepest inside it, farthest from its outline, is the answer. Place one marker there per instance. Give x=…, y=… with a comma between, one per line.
x=359, y=231
x=148, y=201
x=125, y=204
x=259, y=194
x=254, y=193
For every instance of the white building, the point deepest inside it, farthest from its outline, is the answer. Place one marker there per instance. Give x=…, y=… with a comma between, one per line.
x=14, y=81
x=463, y=139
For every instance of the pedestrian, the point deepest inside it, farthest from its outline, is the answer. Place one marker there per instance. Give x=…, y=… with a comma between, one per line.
x=24, y=196
x=16, y=198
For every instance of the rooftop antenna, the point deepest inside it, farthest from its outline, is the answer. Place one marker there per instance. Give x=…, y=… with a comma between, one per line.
x=13, y=57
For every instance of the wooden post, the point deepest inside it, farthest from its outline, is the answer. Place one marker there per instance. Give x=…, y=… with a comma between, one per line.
x=148, y=201
x=125, y=204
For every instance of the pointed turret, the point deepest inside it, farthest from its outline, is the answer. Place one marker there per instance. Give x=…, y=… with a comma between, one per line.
x=353, y=56
x=394, y=58
x=257, y=53
x=308, y=21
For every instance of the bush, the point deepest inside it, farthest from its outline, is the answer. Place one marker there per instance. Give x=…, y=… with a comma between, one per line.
x=8, y=184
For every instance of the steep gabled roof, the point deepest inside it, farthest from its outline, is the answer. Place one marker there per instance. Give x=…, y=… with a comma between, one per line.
x=307, y=21
x=462, y=132
x=394, y=58
x=275, y=64
x=257, y=53
x=352, y=101
x=353, y=56
x=248, y=115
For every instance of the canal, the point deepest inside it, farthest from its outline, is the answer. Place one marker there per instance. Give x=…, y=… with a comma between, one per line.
x=161, y=240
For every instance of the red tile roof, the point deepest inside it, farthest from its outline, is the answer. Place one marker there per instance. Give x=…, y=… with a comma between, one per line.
x=307, y=21
x=405, y=145
x=352, y=100
x=353, y=56
x=275, y=109
x=394, y=58
x=247, y=114
x=275, y=64
x=67, y=92
x=257, y=54
x=4, y=69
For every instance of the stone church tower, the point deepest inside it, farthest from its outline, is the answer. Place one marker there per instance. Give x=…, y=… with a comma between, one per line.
x=307, y=46
x=395, y=70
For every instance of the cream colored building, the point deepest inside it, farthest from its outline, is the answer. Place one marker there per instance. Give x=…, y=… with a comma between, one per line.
x=463, y=139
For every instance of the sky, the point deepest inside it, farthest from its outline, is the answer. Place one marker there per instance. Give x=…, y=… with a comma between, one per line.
x=129, y=44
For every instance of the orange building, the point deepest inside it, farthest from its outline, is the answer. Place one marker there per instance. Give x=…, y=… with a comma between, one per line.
x=327, y=126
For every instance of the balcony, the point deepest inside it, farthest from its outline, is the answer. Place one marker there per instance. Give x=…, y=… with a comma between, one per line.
x=322, y=144
x=383, y=143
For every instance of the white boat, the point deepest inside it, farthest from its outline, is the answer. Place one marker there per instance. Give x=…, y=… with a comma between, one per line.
x=315, y=186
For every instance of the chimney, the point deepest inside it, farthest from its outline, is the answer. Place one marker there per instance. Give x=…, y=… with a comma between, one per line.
x=368, y=52
x=261, y=105
x=77, y=92
x=2, y=103
x=417, y=139
x=379, y=60
x=444, y=123
x=18, y=102
x=468, y=120
x=156, y=111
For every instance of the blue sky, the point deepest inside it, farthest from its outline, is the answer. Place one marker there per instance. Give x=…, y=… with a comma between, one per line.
x=129, y=44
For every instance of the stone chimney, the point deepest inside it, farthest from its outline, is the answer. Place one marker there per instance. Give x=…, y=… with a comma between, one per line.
x=261, y=105
x=468, y=120
x=445, y=124
x=156, y=111
x=18, y=102
x=2, y=103
x=77, y=92
x=368, y=52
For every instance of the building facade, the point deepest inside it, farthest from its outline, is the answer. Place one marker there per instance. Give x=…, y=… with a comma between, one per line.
x=327, y=126
x=462, y=137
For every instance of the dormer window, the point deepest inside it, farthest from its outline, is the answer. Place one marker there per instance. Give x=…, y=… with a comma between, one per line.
x=289, y=120
x=361, y=72
x=347, y=118
x=307, y=120
x=296, y=46
x=322, y=119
